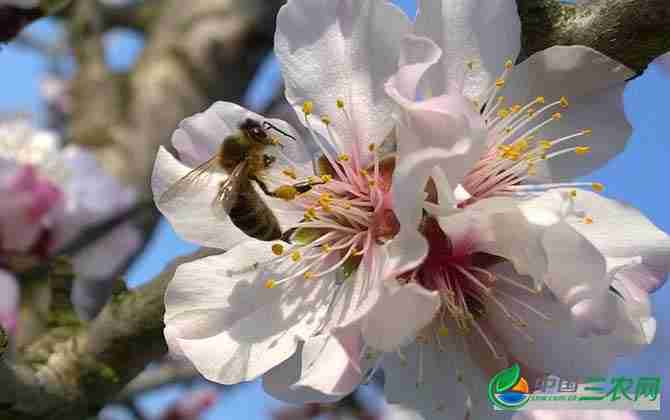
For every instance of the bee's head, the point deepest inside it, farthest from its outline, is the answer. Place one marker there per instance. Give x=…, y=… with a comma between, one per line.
x=255, y=130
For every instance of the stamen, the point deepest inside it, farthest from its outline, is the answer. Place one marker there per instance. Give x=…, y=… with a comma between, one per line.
x=308, y=107
x=278, y=249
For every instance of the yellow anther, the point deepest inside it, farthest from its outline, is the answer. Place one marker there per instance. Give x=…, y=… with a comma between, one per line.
x=289, y=173
x=530, y=112
x=343, y=158
x=546, y=144
x=309, y=275
x=515, y=108
x=582, y=150
x=503, y=113
x=588, y=220
x=308, y=107
x=278, y=249
x=340, y=103
x=326, y=248
x=573, y=193
x=443, y=331
x=531, y=169
x=325, y=119
x=365, y=173
x=275, y=142
x=326, y=178
x=372, y=147
x=295, y=256
x=564, y=102
x=539, y=100
x=286, y=192
x=470, y=64
x=500, y=83
x=521, y=145
x=597, y=187
x=358, y=252
x=509, y=64
x=556, y=116
x=310, y=214
x=372, y=183
x=324, y=202
x=587, y=132
x=270, y=284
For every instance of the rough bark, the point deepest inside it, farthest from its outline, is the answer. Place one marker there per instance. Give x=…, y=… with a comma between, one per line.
x=633, y=32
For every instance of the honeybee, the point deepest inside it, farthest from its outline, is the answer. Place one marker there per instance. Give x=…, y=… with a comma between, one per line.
x=242, y=156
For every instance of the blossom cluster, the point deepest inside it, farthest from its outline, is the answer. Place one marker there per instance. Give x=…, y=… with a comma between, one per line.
x=442, y=232
x=50, y=194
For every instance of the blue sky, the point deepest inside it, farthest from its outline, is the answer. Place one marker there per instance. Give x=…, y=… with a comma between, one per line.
x=637, y=176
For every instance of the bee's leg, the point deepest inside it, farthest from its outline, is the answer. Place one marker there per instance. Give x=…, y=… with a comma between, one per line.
x=287, y=192
x=261, y=184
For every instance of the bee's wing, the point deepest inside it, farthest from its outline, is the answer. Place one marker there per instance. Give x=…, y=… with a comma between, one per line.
x=229, y=190
x=197, y=178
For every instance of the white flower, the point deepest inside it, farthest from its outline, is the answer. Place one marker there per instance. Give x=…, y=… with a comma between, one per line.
x=264, y=305
x=65, y=190
x=527, y=267
x=555, y=116
x=485, y=263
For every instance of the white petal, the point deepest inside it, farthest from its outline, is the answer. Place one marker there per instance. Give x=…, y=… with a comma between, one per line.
x=557, y=342
x=9, y=300
x=428, y=382
x=664, y=63
x=417, y=55
x=447, y=122
x=497, y=226
x=200, y=136
x=191, y=216
x=485, y=31
x=576, y=270
x=339, y=49
x=633, y=244
x=221, y=307
x=319, y=371
x=405, y=251
x=409, y=182
x=593, y=85
x=386, y=328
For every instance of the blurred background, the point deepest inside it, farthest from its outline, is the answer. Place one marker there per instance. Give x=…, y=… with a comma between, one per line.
x=35, y=70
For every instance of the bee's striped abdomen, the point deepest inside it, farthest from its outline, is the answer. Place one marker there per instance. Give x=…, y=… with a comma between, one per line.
x=252, y=216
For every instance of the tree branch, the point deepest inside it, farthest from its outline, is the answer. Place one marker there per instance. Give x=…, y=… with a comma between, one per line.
x=193, y=56
x=633, y=32
x=72, y=372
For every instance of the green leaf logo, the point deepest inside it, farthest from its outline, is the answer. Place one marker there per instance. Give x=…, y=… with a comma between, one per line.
x=507, y=378
x=503, y=381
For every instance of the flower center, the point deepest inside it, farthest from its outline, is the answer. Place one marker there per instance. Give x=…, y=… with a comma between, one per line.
x=466, y=284
x=514, y=146
x=346, y=212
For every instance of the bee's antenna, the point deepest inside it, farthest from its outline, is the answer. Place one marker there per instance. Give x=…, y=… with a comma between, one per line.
x=267, y=125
